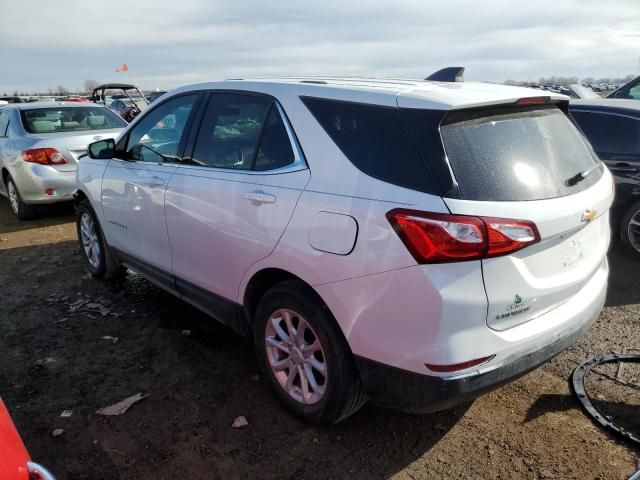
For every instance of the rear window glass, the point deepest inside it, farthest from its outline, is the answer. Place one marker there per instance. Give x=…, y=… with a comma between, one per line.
x=374, y=139
x=70, y=119
x=515, y=155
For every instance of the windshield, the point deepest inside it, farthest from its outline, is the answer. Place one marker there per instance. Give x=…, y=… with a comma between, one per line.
x=70, y=119
x=583, y=92
x=517, y=155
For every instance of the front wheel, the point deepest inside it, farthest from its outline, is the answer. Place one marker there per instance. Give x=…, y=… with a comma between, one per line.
x=93, y=247
x=630, y=228
x=304, y=356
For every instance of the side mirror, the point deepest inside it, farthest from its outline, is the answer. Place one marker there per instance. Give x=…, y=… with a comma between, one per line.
x=102, y=149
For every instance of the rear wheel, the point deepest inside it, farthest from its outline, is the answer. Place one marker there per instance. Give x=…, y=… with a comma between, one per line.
x=630, y=228
x=21, y=210
x=93, y=246
x=304, y=356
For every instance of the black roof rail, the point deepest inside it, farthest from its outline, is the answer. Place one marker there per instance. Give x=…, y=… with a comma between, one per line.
x=448, y=74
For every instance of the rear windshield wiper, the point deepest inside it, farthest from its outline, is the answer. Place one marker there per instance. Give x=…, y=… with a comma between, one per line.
x=578, y=177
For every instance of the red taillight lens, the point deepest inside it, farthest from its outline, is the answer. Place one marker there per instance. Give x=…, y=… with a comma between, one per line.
x=508, y=236
x=533, y=101
x=44, y=156
x=437, y=237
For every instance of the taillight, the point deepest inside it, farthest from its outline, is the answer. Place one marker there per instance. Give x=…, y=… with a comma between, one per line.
x=438, y=237
x=44, y=156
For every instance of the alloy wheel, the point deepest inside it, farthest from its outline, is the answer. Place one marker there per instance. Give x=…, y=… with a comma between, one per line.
x=296, y=357
x=13, y=196
x=90, y=240
x=633, y=231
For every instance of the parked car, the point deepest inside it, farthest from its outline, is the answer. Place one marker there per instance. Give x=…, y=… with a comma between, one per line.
x=76, y=99
x=401, y=241
x=12, y=99
x=630, y=90
x=15, y=462
x=39, y=148
x=613, y=128
x=580, y=91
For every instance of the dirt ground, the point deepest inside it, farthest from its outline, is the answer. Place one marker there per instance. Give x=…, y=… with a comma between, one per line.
x=53, y=358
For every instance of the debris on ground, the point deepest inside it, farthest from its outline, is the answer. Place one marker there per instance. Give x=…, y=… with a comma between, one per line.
x=83, y=305
x=66, y=413
x=122, y=406
x=579, y=389
x=186, y=333
x=57, y=432
x=110, y=338
x=240, y=422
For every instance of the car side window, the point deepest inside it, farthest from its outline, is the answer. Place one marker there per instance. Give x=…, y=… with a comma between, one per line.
x=157, y=136
x=275, y=149
x=634, y=92
x=230, y=131
x=610, y=133
x=4, y=123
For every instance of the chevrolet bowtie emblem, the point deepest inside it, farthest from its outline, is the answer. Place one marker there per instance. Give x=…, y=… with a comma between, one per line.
x=588, y=215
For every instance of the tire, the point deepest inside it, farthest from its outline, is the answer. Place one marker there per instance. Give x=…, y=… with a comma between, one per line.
x=94, y=249
x=339, y=393
x=629, y=230
x=21, y=210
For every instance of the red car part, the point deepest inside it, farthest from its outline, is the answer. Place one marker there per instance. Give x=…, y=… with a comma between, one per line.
x=15, y=462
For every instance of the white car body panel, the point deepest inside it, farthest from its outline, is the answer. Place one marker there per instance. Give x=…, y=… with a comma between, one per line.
x=548, y=273
x=227, y=232
x=132, y=201
x=326, y=224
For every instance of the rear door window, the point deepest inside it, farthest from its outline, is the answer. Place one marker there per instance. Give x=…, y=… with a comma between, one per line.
x=4, y=123
x=374, y=139
x=275, y=149
x=610, y=133
x=517, y=154
x=242, y=132
x=230, y=131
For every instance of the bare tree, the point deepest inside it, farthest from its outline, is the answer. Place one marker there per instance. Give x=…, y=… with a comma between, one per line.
x=89, y=85
x=61, y=90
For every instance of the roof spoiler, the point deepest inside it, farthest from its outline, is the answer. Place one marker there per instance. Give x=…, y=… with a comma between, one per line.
x=448, y=74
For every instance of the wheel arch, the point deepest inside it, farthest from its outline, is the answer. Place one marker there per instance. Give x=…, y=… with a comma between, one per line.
x=264, y=279
x=5, y=174
x=79, y=195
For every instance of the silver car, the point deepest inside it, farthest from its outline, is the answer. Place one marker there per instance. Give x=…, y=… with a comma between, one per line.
x=39, y=148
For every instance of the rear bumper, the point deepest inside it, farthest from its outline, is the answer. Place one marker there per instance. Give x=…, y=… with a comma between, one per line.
x=32, y=180
x=417, y=393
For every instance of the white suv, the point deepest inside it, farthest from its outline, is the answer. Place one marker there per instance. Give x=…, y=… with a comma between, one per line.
x=410, y=242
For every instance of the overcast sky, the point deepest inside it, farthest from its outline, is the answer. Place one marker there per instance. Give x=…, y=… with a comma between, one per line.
x=44, y=43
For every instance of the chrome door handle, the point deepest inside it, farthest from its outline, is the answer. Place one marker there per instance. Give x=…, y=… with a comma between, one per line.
x=156, y=181
x=259, y=197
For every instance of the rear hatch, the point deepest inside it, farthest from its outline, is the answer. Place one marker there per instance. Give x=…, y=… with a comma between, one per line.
x=530, y=163
x=73, y=145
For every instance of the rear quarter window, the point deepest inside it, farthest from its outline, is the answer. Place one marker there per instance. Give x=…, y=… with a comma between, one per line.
x=374, y=139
